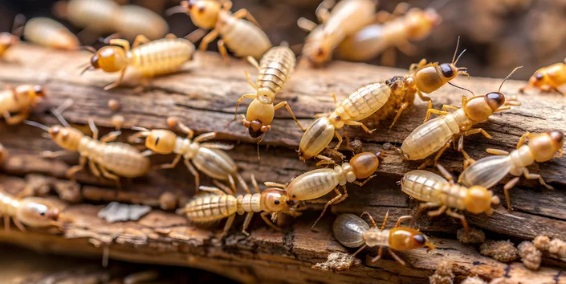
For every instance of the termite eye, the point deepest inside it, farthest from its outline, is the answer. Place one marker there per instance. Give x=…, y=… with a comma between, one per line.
x=447, y=70
x=42, y=213
x=276, y=202
x=294, y=196
x=539, y=76
x=495, y=100
x=157, y=140
x=420, y=239
x=201, y=9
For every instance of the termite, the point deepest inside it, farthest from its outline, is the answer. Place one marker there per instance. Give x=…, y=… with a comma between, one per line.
x=448, y=195
x=359, y=105
x=149, y=58
x=204, y=13
x=19, y=100
x=109, y=159
x=489, y=171
x=375, y=39
x=133, y=20
x=220, y=203
x=29, y=211
x=317, y=183
x=50, y=33
x=347, y=17
x=208, y=158
x=242, y=37
x=436, y=135
x=548, y=78
x=273, y=71
x=7, y=39
x=353, y=232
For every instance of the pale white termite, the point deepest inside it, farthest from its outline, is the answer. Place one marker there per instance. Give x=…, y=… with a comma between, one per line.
x=208, y=158
x=105, y=158
x=375, y=39
x=317, y=183
x=149, y=58
x=50, y=33
x=436, y=135
x=353, y=232
x=30, y=211
x=273, y=70
x=96, y=16
x=133, y=20
x=19, y=100
x=242, y=37
x=448, y=195
x=346, y=17
x=359, y=105
x=221, y=203
x=489, y=171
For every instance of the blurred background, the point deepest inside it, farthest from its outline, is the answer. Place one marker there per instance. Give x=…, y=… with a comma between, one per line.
x=498, y=36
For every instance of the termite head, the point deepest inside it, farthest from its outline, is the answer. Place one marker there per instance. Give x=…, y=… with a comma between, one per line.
x=204, y=14
x=318, y=47
x=160, y=141
x=544, y=146
x=540, y=78
x=478, y=200
x=365, y=164
x=258, y=118
x=36, y=212
x=421, y=23
x=67, y=138
x=109, y=59
x=404, y=239
x=480, y=108
x=29, y=93
x=276, y=200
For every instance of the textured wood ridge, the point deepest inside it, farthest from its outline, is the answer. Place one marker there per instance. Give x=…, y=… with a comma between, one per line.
x=203, y=96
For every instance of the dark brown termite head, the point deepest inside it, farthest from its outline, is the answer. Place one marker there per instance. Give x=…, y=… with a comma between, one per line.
x=109, y=59
x=256, y=128
x=258, y=118
x=365, y=164
x=545, y=146
x=67, y=138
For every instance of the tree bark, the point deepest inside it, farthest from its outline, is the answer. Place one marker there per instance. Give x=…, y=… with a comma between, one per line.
x=204, y=96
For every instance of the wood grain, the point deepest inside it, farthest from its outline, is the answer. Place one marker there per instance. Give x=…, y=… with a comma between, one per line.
x=203, y=96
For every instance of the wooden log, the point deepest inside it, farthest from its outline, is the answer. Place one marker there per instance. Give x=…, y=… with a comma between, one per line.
x=203, y=97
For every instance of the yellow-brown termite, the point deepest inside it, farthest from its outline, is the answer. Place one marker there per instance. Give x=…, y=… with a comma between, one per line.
x=317, y=183
x=105, y=158
x=346, y=17
x=19, y=100
x=30, y=211
x=149, y=58
x=375, y=39
x=7, y=39
x=436, y=135
x=220, y=203
x=353, y=232
x=489, y=171
x=50, y=33
x=242, y=37
x=204, y=13
x=359, y=105
x=273, y=70
x=208, y=158
x=549, y=78
x=448, y=195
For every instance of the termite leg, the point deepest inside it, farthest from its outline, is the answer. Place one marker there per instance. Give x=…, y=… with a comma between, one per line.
x=94, y=169
x=172, y=164
x=243, y=13
x=205, y=137
x=219, y=146
x=19, y=224
x=111, y=176
x=223, y=51
x=403, y=107
x=476, y=131
x=269, y=222
x=536, y=176
x=194, y=172
x=73, y=170
x=247, y=223
x=286, y=105
x=497, y=152
x=212, y=190
x=275, y=184
x=208, y=39
x=118, y=82
x=357, y=123
x=16, y=119
x=415, y=66
x=254, y=183
x=396, y=257
x=508, y=186
x=434, y=111
x=370, y=218
x=523, y=139
x=449, y=108
x=462, y=219
x=228, y=225
x=362, y=183
x=246, y=96
x=402, y=219
x=337, y=199
x=110, y=136
x=436, y=212
x=190, y=133
x=468, y=161
x=141, y=39
x=445, y=173
x=324, y=160
x=425, y=98
x=323, y=10
x=385, y=220
x=379, y=254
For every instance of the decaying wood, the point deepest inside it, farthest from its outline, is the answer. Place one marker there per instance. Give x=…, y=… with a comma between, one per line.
x=204, y=96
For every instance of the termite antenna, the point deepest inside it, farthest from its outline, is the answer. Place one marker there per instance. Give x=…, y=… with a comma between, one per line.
x=458, y=58
x=454, y=60
x=58, y=112
x=508, y=76
x=461, y=88
x=87, y=48
x=181, y=9
x=36, y=124
x=18, y=25
x=438, y=4
x=87, y=68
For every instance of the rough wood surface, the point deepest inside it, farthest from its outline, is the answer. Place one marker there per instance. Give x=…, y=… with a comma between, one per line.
x=203, y=96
